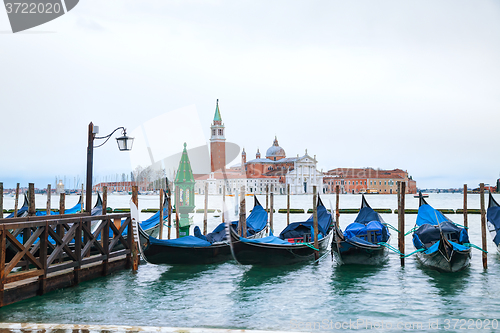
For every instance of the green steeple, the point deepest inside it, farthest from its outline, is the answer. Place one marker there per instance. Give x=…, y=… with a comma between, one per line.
x=184, y=172
x=217, y=116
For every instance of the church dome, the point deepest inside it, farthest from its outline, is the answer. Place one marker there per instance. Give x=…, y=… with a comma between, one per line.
x=275, y=151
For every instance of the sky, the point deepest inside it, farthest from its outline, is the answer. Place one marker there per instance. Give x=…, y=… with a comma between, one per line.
x=384, y=84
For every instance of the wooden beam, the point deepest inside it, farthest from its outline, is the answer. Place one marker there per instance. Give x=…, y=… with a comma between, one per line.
x=31, y=194
x=271, y=210
x=49, y=197
x=169, y=194
x=135, y=254
x=243, y=218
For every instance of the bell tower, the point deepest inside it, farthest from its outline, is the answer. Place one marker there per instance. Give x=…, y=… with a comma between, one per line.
x=217, y=142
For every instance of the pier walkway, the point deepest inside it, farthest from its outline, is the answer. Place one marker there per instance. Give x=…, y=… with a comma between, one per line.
x=39, y=254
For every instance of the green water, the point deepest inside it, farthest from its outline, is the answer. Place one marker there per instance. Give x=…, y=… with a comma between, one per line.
x=284, y=298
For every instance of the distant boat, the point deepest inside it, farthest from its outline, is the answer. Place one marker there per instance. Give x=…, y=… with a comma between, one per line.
x=442, y=244
x=424, y=195
x=359, y=243
x=493, y=215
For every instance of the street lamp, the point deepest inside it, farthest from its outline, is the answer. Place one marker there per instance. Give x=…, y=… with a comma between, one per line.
x=124, y=144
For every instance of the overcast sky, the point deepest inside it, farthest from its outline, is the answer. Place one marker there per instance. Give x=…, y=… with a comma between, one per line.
x=391, y=84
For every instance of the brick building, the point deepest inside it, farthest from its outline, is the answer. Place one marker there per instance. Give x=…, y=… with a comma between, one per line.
x=367, y=180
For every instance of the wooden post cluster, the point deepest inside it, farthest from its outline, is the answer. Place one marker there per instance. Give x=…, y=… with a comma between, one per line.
x=315, y=222
x=242, y=225
x=401, y=219
x=205, y=210
x=466, y=222
x=271, y=210
x=483, y=227
x=337, y=199
x=288, y=204
x=161, y=214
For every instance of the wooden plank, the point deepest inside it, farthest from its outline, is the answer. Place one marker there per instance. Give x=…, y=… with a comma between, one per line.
x=23, y=250
x=93, y=259
x=119, y=253
x=61, y=266
x=105, y=245
x=18, y=276
x=49, y=197
x=63, y=244
x=43, y=259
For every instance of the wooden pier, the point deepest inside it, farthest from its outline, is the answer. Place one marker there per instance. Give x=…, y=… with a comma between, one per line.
x=39, y=254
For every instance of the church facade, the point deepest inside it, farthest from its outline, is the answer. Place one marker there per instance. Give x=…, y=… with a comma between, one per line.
x=273, y=172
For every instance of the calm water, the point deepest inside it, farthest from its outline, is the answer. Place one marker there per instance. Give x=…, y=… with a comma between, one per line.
x=283, y=298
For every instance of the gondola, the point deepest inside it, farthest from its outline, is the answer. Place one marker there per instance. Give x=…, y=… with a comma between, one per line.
x=294, y=244
x=73, y=210
x=493, y=216
x=200, y=249
x=443, y=245
x=359, y=243
x=23, y=211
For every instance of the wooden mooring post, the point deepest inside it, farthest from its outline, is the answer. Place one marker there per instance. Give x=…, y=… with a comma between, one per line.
x=401, y=220
x=49, y=197
x=315, y=222
x=130, y=236
x=483, y=227
x=160, y=236
x=205, y=210
x=169, y=195
x=16, y=201
x=267, y=198
x=242, y=225
x=337, y=199
x=271, y=210
x=466, y=222
x=288, y=204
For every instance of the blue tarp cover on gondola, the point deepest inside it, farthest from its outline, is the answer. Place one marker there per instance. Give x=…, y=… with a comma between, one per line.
x=427, y=214
x=494, y=218
x=188, y=241
x=456, y=247
x=358, y=229
x=297, y=229
x=266, y=240
x=367, y=214
x=154, y=220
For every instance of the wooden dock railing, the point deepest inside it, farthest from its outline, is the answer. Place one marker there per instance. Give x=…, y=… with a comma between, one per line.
x=40, y=254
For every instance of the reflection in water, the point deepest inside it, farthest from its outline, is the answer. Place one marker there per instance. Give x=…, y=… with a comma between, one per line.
x=348, y=279
x=448, y=284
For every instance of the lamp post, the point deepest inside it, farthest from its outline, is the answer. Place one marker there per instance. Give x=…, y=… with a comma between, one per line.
x=124, y=144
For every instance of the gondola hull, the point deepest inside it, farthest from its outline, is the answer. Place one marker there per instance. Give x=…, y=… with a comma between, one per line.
x=458, y=261
x=174, y=255
x=171, y=255
x=275, y=254
x=353, y=254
